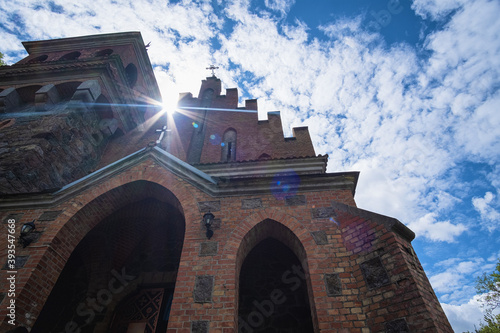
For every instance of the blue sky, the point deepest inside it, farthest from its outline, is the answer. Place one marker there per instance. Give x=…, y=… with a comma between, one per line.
x=407, y=92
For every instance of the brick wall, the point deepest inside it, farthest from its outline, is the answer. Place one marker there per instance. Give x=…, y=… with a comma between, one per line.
x=357, y=268
x=62, y=147
x=337, y=248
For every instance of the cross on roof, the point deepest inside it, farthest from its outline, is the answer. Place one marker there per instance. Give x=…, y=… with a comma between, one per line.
x=162, y=132
x=212, y=68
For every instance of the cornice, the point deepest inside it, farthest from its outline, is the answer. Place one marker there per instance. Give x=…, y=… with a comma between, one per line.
x=266, y=168
x=389, y=222
x=233, y=185
x=42, y=72
x=91, y=41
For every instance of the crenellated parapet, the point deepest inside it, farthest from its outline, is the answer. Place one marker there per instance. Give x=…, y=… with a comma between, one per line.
x=216, y=129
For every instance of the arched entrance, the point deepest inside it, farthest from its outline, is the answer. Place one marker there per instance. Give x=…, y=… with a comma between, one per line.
x=129, y=260
x=273, y=284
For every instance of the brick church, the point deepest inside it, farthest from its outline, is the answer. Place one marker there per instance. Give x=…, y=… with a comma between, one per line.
x=119, y=217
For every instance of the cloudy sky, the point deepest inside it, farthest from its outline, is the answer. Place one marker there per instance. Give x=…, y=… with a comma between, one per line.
x=407, y=92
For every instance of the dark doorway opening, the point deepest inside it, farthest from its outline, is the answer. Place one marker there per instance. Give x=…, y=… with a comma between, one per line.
x=138, y=247
x=273, y=291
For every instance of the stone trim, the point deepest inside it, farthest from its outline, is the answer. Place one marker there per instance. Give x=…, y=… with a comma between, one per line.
x=209, y=206
x=323, y=212
x=251, y=203
x=208, y=249
x=199, y=326
x=295, y=200
x=320, y=237
x=20, y=262
x=389, y=222
x=397, y=326
x=333, y=285
x=374, y=273
x=203, y=288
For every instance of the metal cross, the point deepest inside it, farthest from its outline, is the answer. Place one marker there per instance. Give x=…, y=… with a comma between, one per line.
x=212, y=68
x=162, y=133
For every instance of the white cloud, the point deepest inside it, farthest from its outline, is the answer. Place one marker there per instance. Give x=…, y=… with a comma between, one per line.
x=446, y=282
x=282, y=6
x=453, y=278
x=467, y=315
x=434, y=230
x=490, y=217
x=436, y=9
x=363, y=108
x=464, y=317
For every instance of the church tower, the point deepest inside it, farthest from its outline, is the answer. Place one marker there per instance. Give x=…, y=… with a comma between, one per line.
x=128, y=219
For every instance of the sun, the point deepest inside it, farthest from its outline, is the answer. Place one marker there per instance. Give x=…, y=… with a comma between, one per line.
x=168, y=108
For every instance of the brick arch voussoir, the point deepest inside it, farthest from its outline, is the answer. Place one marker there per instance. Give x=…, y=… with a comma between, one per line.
x=289, y=221
x=261, y=218
x=81, y=216
x=85, y=199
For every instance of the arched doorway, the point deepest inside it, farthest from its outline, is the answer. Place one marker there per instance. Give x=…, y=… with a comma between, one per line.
x=135, y=249
x=273, y=291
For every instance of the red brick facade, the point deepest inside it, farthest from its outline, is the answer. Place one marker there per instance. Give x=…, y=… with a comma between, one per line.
x=133, y=228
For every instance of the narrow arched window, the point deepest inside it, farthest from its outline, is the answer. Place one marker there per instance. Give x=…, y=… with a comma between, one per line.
x=38, y=59
x=131, y=73
x=104, y=53
x=208, y=94
x=228, y=146
x=71, y=56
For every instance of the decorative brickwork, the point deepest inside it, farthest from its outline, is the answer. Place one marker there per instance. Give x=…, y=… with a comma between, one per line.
x=323, y=212
x=295, y=200
x=333, y=285
x=203, y=289
x=397, y=326
x=199, y=326
x=320, y=237
x=20, y=263
x=374, y=273
x=209, y=206
x=251, y=203
x=208, y=248
x=49, y=215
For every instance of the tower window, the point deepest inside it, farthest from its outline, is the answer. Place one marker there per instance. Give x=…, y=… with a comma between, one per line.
x=131, y=73
x=71, y=56
x=38, y=59
x=228, y=146
x=104, y=53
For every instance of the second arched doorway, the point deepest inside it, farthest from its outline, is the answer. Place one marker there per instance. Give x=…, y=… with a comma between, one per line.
x=274, y=293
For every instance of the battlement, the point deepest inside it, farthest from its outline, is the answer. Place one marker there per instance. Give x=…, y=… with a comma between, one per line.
x=213, y=122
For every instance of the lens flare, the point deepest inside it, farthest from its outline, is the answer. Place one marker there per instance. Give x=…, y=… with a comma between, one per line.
x=285, y=184
x=215, y=139
x=333, y=220
x=168, y=110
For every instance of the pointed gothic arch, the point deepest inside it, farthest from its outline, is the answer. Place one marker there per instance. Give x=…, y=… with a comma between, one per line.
x=228, y=145
x=67, y=89
x=271, y=249
x=134, y=230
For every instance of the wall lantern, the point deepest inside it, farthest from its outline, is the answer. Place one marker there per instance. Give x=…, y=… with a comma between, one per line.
x=208, y=219
x=26, y=230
